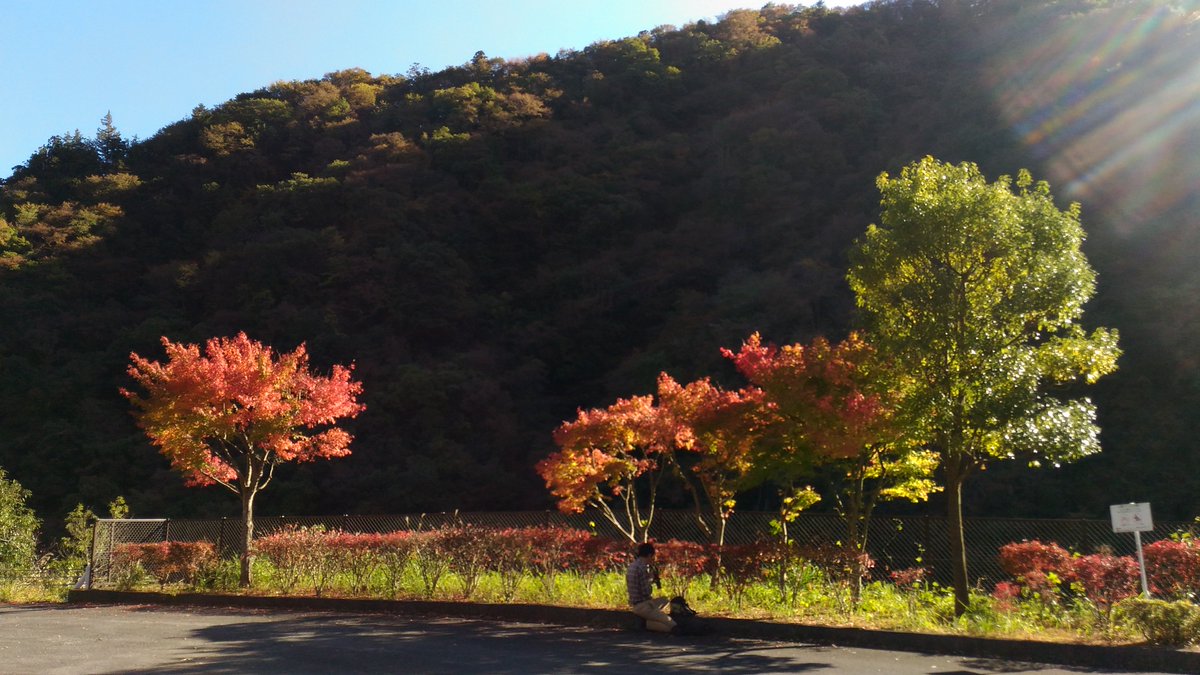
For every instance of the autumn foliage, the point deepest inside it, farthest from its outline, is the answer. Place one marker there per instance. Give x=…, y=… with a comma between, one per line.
x=207, y=410
x=231, y=413
x=465, y=552
x=817, y=394
x=1047, y=571
x=833, y=406
x=167, y=561
x=614, y=458
x=720, y=428
x=807, y=407
x=1174, y=568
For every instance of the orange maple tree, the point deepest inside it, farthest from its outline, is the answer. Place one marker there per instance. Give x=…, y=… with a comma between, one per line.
x=228, y=415
x=605, y=455
x=720, y=428
x=614, y=458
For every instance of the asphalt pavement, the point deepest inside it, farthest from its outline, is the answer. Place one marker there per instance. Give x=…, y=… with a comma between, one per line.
x=149, y=639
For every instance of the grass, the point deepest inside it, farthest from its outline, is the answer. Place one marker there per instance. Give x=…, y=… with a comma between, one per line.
x=806, y=595
x=808, y=598
x=36, y=591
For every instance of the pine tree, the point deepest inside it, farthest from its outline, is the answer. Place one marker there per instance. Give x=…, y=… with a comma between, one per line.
x=110, y=147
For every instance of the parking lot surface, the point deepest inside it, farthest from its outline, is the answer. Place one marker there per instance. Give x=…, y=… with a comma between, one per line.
x=144, y=639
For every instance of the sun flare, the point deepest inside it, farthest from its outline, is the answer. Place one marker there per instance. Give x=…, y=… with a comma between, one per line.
x=1114, y=113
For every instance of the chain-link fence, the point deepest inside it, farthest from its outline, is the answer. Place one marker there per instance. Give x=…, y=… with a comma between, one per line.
x=894, y=542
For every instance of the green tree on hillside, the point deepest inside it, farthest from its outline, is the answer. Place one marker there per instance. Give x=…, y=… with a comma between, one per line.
x=611, y=213
x=57, y=167
x=975, y=289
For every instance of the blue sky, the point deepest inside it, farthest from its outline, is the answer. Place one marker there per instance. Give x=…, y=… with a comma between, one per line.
x=149, y=62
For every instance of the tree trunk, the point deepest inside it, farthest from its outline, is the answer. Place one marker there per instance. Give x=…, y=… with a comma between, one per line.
x=784, y=559
x=247, y=535
x=857, y=516
x=852, y=543
x=958, y=547
x=719, y=549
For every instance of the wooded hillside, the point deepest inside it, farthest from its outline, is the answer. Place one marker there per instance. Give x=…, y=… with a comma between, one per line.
x=497, y=244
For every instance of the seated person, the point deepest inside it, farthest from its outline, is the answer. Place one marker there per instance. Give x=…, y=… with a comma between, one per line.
x=639, y=580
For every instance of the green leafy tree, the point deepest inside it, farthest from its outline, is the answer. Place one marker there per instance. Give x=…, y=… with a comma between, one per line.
x=118, y=509
x=974, y=290
x=18, y=529
x=75, y=548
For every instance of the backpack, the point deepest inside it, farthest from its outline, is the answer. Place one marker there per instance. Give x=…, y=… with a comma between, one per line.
x=686, y=618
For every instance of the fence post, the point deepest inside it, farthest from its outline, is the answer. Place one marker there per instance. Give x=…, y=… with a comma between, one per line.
x=925, y=543
x=90, y=568
x=167, y=530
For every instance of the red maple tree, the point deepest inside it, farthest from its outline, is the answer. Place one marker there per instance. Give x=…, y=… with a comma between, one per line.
x=833, y=405
x=228, y=415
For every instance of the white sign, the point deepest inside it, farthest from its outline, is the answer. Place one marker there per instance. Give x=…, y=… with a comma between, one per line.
x=1131, y=517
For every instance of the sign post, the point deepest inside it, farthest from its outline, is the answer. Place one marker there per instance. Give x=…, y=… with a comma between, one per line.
x=1134, y=518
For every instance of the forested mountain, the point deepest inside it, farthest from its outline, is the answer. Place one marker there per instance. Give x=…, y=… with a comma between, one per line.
x=499, y=243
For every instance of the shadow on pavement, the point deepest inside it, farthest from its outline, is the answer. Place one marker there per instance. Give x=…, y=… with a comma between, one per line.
x=319, y=643
x=1001, y=666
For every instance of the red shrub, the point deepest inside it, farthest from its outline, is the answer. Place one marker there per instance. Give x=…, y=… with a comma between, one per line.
x=1047, y=586
x=556, y=549
x=167, y=561
x=186, y=559
x=1106, y=579
x=430, y=558
x=909, y=578
x=746, y=563
x=395, y=551
x=1006, y=594
x=1173, y=568
x=1018, y=559
x=553, y=550
x=468, y=550
x=839, y=563
x=291, y=552
x=1041, y=569
x=776, y=552
x=679, y=562
x=396, y=545
x=509, y=550
x=601, y=554
x=283, y=546
x=357, y=555
x=326, y=557
x=510, y=554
